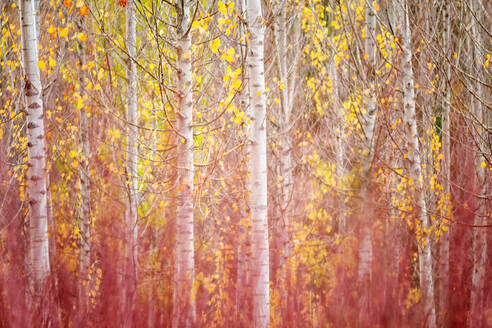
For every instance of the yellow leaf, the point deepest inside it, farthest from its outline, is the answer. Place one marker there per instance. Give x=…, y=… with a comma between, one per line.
x=215, y=45
x=51, y=62
x=483, y=164
x=117, y=134
x=195, y=24
x=230, y=55
x=41, y=65
x=222, y=8
x=63, y=32
x=100, y=74
x=80, y=103
x=236, y=83
x=51, y=29
x=73, y=153
x=82, y=37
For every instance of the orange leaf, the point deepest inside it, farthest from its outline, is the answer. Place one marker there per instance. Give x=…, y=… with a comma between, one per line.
x=67, y=3
x=122, y=3
x=84, y=10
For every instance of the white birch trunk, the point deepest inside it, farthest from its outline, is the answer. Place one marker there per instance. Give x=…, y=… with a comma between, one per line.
x=184, y=312
x=131, y=253
x=85, y=243
x=257, y=165
x=445, y=133
x=412, y=165
x=369, y=117
x=339, y=136
x=479, y=241
x=36, y=175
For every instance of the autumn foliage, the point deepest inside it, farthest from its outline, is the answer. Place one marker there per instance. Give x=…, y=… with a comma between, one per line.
x=376, y=216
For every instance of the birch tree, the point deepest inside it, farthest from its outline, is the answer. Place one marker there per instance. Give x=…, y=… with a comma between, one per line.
x=36, y=176
x=85, y=234
x=412, y=163
x=446, y=169
x=368, y=121
x=257, y=165
x=339, y=147
x=479, y=241
x=184, y=312
x=288, y=77
x=131, y=251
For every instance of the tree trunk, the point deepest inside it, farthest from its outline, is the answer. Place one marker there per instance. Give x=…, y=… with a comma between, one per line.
x=445, y=133
x=131, y=226
x=366, y=216
x=412, y=164
x=479, y=241
x=282, y=226
x=257, y=164
x=36, y=175
x=339, y=148
x=184, y=312
x=85, y=243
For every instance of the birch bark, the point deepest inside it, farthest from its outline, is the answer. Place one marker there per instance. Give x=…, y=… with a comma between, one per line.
x=184, y=313
x=365, y=246
x=85, y=233
x=340, y=151
x=257, y=165
x=36, y=175
x=479, y=241
x=412, y=164
x=445, y=133
x=131, y=251
x=282, y=227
